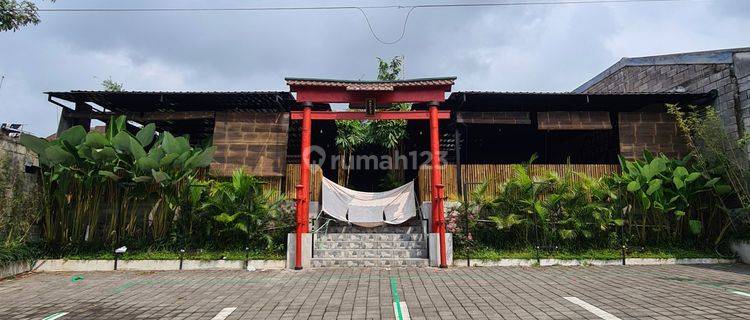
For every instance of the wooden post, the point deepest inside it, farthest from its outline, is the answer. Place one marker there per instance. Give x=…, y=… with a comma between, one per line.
x=438, y=218
x=300, y=229
x=303, y=189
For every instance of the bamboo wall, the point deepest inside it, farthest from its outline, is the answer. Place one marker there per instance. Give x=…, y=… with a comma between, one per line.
x=292, y=179
x=474, y=174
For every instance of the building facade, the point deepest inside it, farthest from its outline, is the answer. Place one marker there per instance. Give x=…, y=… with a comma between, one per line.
x=725, y=71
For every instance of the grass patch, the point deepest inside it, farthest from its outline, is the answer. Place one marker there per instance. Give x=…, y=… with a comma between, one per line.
x=174, y=255
x=594, y=254
x=17, y=252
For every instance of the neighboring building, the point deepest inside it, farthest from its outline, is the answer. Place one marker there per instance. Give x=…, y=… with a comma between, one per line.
x=726, y=71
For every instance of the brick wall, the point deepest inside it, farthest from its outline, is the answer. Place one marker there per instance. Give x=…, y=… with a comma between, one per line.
x=742, y=73
x=574, y=120
x=655, y=132
x=254, y=142
x=697, y=78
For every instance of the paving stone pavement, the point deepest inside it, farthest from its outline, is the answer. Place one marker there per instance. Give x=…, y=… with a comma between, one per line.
x=627, y=292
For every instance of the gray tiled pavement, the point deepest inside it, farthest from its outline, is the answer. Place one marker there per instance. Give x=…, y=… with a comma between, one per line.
x=643, y=292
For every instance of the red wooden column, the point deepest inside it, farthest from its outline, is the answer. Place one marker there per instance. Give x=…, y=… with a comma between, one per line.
x=438, y=218
x=303, y=189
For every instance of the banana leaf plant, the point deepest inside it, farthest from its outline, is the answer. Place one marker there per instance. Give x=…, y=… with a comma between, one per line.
x=666, y=196
x=84, y=172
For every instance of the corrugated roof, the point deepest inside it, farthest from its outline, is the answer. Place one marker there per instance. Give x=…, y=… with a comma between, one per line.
x=548, y=101
x=144, y=101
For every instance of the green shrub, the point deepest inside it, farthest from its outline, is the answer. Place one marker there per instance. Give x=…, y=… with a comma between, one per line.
x=671, y=199
x=14, y=252
x=84, y=174
x=655, y=201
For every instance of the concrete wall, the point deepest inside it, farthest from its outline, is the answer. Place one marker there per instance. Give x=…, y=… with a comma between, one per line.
x=14, y=268
x=18, y=201
x=697, y=78
x=19, y=156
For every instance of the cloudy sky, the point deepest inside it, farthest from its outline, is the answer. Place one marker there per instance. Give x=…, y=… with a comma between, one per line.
x=525, y=48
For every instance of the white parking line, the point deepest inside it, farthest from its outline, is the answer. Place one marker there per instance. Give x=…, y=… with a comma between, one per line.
x=55, y=316
x=404, y=310
x=741, y=293
x=598, y=312
x=224, y=313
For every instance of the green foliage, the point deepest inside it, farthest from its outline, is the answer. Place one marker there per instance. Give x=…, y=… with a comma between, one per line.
x=14, y=252
x=386, y=134
x=245, y=211
x=722, y=155
x=485, y=253
x=390, y=70
x=110, y=85
x=654, y=201
x=668, y=198
x=16, y=14
x=84, y=174
x=573, y=209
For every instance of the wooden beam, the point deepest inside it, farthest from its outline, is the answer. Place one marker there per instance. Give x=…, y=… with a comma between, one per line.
x=146, y=116
x=341, y=95
x=379, y=115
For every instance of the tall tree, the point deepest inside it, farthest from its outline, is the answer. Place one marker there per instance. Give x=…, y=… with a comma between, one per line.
x=16, y=14
x=110, y=85
x=390, y=134
x=353, y=134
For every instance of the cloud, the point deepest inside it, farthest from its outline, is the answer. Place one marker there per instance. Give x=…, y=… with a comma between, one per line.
x=534, y=48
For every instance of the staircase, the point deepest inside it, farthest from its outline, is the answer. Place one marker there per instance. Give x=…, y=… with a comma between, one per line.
x=345, y=245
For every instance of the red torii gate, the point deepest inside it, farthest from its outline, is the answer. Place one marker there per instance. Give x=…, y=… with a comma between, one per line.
x=370, y=94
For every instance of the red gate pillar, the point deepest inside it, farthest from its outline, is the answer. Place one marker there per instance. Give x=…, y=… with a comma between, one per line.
x=303, y=189
x=438, y=218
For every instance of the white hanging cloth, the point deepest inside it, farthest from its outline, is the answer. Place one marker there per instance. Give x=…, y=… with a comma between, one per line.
x=369, y=209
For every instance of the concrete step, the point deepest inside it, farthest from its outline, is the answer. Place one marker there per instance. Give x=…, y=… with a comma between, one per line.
x=371, y=262
x=402, y=229
x=370, y=253
x=322, y=244
x=369, y=237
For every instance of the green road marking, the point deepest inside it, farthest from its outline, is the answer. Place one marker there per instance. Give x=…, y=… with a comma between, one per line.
x=396, y=300
x=76, y=278
x=718, y=285
x=55, y=316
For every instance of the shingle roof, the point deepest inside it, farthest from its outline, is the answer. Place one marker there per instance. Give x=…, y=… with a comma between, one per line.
x=357, y=85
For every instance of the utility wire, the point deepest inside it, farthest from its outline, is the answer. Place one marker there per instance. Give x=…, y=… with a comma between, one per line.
x=362, y=9
x=443, y=5
x=375, y=35
x=2, y=79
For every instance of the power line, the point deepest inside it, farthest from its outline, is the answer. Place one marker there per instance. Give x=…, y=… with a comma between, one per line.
x=310, y=8
x=403, y=28
x=362, y=9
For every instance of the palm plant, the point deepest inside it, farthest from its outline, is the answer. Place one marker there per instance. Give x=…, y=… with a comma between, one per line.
x=350, y=135
x=242, y=207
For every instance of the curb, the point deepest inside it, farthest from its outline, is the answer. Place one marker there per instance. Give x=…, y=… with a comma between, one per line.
x=589, y=262
x=55, y=265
